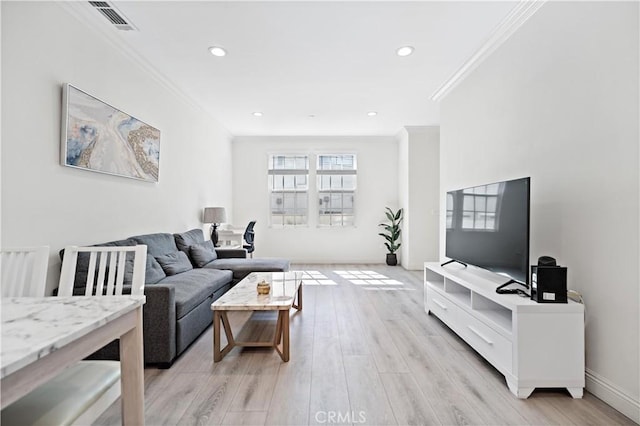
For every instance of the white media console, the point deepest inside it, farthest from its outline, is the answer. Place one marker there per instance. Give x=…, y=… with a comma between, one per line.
x=534, y=345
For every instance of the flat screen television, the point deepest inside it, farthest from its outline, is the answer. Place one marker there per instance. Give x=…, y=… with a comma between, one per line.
x=488, y=227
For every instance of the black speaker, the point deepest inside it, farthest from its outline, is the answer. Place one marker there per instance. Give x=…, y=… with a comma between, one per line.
x=549, y=284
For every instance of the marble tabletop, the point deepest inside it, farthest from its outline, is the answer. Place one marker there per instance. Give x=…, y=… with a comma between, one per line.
x=244, y=295
x=33, y=327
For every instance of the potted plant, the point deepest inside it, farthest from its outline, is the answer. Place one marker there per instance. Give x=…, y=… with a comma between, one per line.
x=392, y=235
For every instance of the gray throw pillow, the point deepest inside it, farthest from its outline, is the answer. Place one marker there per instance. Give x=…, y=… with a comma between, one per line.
x=153, y=271
x=186, y=239
x=202, y=253
x=174, y=263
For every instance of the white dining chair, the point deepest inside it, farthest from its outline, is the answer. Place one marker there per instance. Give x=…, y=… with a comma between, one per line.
x=111, y=264
x=80, y=394
x=24, y=271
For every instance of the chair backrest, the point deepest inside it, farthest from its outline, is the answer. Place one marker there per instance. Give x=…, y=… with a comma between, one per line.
x=111, y=263
x=249, y=235
x=24, y=271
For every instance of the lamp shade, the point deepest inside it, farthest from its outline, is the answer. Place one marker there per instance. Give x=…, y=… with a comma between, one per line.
x=214, y=215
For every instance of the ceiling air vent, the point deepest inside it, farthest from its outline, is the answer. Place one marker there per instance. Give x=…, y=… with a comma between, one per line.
x=113, y=15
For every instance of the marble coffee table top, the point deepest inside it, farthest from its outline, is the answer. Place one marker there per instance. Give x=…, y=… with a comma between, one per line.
x=33, y=327
x=244, y=296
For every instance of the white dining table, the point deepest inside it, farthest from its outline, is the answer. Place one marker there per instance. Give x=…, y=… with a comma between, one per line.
x=41, y=336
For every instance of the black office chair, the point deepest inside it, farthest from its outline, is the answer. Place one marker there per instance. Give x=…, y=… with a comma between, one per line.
x=249, y=237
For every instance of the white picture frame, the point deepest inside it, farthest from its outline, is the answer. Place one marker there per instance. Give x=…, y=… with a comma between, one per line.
x=101, y=138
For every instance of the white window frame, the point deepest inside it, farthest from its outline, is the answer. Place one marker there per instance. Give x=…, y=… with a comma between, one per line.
x=329, y=193
x=300, y=210
x=481, y=204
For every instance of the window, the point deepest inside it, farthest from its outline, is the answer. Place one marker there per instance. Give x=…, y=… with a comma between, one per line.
x=449, y=211
x=289, y=189
x=336, y=175
x=479, y=207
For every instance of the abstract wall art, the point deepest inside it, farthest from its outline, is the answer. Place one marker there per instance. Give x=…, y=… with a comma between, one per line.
x=101, y=138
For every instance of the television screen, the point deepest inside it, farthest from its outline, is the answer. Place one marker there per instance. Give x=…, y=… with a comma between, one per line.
x=488, y=226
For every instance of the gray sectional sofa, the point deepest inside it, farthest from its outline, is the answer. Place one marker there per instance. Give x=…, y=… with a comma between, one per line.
x=184, y=275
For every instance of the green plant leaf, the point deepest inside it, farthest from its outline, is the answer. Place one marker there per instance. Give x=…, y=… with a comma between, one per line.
x=392, y=229
x=387, y=237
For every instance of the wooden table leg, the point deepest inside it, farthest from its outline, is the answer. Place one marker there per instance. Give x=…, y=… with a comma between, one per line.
x=298, y=302
x=132, y=374
x=278, y=337
x=285, y=335
x=221, y=317
x=217, y=356
x=282, y=335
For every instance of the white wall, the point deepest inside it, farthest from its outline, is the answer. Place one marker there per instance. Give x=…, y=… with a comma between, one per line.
x=377, y=188
x=0, y=132
x=559, y=102
x=44, y=203
x=419, y=174
x=404, y=194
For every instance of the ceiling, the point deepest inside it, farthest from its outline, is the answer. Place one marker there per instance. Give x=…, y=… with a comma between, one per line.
x=311, y=68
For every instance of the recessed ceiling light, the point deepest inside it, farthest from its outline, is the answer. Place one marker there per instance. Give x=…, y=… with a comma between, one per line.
x=257, y=114
x=217, y=51
x=372, y=113
x=405, y=51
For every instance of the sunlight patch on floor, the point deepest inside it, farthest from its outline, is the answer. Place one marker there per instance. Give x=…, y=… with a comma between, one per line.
x=316, y=278
x=369, y=278
x=388, y=288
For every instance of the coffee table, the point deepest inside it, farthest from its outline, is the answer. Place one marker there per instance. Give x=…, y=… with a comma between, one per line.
x=286, y=293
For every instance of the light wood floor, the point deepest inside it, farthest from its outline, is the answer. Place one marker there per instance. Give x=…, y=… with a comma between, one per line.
x=363, y=351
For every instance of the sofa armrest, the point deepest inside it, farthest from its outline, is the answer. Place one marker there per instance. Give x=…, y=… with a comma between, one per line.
x=159, y=324
x=231, y=253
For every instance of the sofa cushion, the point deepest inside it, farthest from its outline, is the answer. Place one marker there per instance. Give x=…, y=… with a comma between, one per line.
x=189, y=238
x=243, y=267
x=194, y=286
x=202, y=253
x=157, y=244
x=174, y=263
x=153, y=271
x=82, y=265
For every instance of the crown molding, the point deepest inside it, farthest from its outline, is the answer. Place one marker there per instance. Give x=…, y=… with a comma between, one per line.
x=92, y=20
x=505, y=29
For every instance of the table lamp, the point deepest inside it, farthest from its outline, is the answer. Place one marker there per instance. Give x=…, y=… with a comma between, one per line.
x=215, y=216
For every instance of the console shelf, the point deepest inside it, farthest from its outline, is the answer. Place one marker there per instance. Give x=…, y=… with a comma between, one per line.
x=534, y=345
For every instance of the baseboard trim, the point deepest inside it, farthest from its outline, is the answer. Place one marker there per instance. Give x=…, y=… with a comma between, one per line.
x=612, y=395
